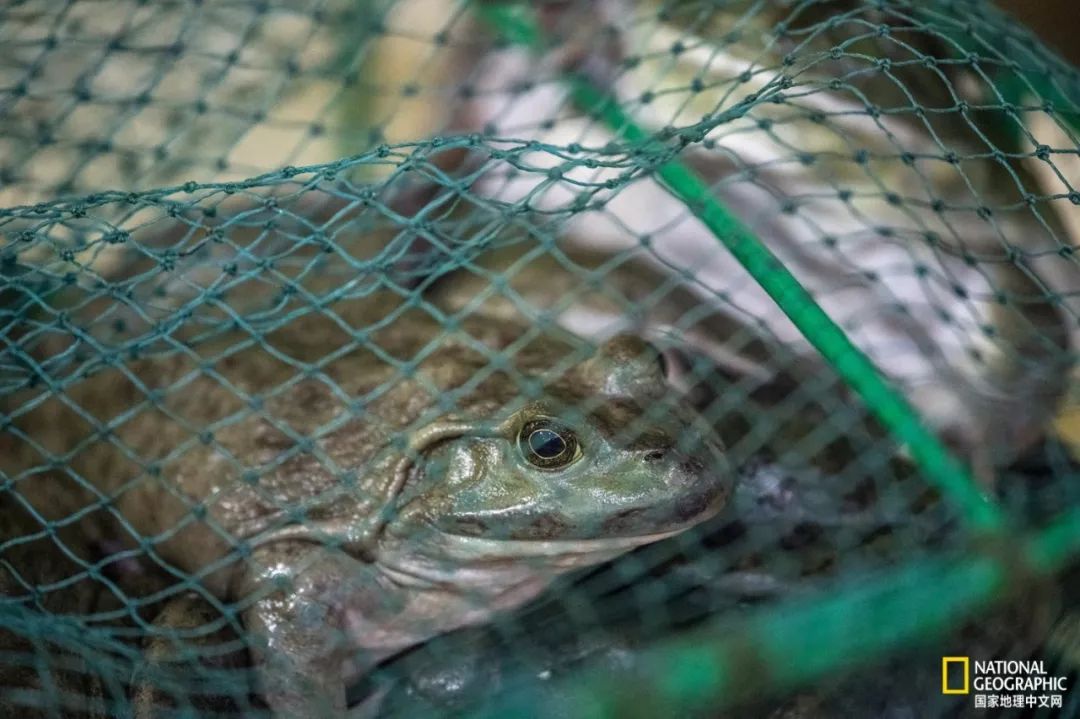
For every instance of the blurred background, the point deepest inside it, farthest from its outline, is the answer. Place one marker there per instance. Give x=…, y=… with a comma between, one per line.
x=1055, y=20
x=1058, y=24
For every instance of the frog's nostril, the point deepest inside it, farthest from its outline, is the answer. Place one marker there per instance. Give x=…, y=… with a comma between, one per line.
x=672, y=365
x=654, y=455
x=664, y=364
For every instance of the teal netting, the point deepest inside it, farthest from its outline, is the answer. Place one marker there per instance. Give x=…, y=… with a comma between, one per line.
x=561, y=359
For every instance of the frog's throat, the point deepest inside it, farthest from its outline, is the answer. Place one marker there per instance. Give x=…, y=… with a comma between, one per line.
x=360, y=536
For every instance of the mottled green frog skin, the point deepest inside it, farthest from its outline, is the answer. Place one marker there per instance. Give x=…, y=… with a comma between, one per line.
x=364, y=500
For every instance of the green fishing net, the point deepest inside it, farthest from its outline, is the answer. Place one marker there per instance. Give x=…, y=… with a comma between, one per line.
x=610, y=358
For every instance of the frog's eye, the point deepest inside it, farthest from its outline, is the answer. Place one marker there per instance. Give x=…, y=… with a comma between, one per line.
x=547, y=444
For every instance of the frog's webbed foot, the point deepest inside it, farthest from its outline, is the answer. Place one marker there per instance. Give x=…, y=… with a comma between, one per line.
x=185, y=644
x=309, y=606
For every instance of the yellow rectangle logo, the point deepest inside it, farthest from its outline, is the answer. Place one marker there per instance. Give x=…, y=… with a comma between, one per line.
x=945, y=662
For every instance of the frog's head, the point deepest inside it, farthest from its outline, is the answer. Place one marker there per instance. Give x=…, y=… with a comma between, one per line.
x=603, y=459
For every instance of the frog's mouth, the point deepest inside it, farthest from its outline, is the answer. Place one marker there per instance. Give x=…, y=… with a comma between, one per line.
x=443, y=558
x=470, y=550
x=464, y=546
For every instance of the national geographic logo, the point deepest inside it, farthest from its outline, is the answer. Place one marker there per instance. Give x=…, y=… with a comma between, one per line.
x=1002, y=684
x=949, y=682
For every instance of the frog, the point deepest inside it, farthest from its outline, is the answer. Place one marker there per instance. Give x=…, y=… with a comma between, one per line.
x=367, y=474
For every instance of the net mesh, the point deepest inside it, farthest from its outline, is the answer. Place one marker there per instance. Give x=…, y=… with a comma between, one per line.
x=572, y=358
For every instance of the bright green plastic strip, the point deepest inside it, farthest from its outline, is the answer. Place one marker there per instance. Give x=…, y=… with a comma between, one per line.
x=938, y=466
x=787, y=646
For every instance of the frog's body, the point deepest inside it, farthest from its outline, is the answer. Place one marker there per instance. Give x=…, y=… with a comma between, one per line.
x=359, y=496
